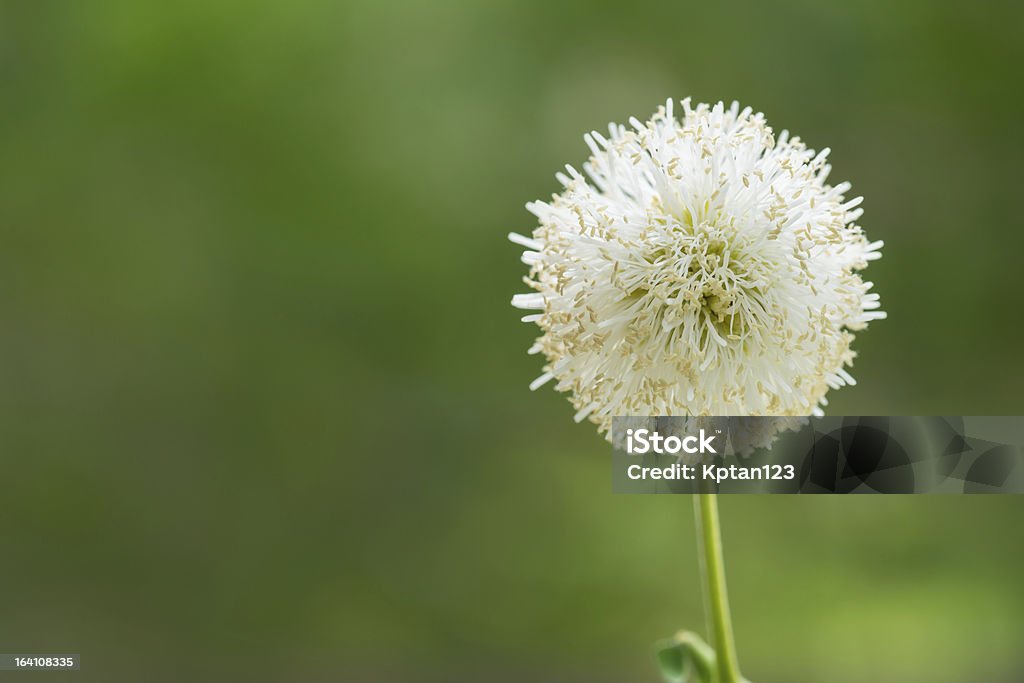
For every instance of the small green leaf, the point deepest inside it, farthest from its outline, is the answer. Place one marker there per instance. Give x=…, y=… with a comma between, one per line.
x=685, y=658
x=672, y=662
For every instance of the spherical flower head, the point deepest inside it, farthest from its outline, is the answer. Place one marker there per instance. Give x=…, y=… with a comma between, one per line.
x=702, y=267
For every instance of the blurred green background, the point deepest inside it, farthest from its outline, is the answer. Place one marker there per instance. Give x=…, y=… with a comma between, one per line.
x=263, y=404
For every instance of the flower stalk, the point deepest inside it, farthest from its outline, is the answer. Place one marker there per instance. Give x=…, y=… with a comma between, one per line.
x=716, y=597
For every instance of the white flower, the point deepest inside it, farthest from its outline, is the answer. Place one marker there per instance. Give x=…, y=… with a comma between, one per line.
x=706, y=269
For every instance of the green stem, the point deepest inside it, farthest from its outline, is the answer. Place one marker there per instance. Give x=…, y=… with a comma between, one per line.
x=716, y=599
